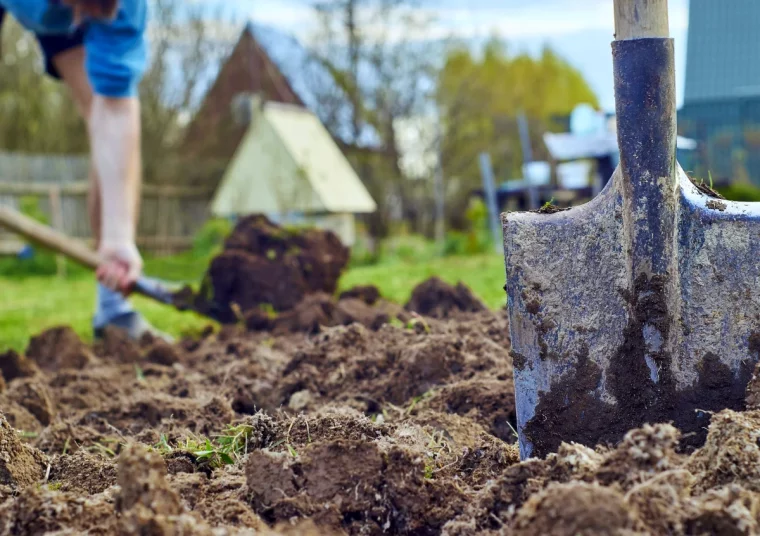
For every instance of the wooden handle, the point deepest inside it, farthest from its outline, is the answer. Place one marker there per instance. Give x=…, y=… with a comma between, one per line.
x=641, y=19
x=44, y=235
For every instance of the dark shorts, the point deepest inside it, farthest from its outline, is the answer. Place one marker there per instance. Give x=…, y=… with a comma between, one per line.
x=52, y=45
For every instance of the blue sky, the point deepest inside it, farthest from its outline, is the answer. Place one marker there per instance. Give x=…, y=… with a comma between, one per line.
x=580, y=30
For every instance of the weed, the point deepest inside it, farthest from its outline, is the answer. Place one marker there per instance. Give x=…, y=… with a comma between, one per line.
x=418, y=399
x=268, y=309
x=417, y=320
x=437, y=446
x=27, y=435
x=238, y=312
x=54, y=486
x=103, y=450
x=225, y=449
x=139, y=373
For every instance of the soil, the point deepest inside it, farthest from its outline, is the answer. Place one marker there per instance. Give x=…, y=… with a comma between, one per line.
x=438, y=299
x=267, y=266
x=353, y=428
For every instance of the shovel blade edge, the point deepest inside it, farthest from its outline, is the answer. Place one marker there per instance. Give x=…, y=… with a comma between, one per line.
x=597, y=351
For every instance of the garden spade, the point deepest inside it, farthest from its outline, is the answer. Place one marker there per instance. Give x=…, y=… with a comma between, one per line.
x=159, y=291
x=643, y=305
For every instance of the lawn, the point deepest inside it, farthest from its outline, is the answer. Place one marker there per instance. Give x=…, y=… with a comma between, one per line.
x=30, y=305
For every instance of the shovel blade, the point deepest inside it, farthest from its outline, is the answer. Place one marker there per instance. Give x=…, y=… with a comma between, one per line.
x=597, y=352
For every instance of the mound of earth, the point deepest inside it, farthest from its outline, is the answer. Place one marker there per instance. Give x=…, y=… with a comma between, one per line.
x=263, y=264
x=438, y=299
x=348, y=429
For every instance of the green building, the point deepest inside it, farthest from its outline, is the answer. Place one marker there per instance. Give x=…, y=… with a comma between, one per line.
x=721, y=107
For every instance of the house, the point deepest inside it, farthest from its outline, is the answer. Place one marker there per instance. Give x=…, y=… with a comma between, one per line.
x=721, y=106
x=259, y=156
x=288, y=167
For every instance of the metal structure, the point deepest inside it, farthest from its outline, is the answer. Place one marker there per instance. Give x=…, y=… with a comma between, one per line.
x=722, y=90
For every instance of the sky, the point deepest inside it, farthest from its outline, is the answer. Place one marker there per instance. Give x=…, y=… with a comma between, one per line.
x=580, y=30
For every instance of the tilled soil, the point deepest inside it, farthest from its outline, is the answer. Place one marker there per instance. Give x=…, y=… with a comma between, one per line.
x=362, y=429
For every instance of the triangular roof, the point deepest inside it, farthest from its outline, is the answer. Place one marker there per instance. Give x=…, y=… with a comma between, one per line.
x=288, y=162
x=249, y=69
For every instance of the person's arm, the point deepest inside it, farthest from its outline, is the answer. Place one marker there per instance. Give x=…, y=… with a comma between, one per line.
x=115, y=143
x=116, y=57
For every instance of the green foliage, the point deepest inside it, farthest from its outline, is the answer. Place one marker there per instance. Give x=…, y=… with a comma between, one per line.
x=32, y=304
x=225, y=449
x=210, y=238
x=740, y=191
x=43, y=261
x=479, y=98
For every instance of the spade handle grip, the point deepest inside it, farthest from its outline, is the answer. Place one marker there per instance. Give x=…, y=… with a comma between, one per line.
x=641, y=19
x=49, y=238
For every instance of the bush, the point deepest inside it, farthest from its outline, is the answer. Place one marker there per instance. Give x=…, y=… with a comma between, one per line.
x=210, y=238
x=35, y=260
x=741, y=191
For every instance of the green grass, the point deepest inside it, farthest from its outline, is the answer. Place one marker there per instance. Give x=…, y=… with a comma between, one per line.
x=30, y=305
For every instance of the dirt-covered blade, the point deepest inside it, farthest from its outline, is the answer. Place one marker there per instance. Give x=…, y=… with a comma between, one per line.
x=643, y=305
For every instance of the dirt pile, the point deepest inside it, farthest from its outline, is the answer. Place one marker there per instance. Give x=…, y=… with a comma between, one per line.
x=404, y=428
x=318, y=311
x=438, y=299
x=265, y=265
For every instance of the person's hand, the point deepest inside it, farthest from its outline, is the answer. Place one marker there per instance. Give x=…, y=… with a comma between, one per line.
x=121, y=266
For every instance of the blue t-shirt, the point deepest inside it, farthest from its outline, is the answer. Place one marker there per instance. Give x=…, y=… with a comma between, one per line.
x=115, y=50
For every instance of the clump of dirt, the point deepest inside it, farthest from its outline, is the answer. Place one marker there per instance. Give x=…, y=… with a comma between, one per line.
x=267, y=265
x=162, y=353
x=116, y=345
x=14, y=365
x=59, y=348
x=34, y=397
x=20, y=465
x=316, y=312
x=437, y=299
x=369, y=294
x=349, y=485
x=731, y=454
x=82, y=473
x=405, y=428
x=577, y=508
x=40, y=510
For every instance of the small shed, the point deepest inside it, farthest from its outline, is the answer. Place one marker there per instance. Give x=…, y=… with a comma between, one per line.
x=288, y=167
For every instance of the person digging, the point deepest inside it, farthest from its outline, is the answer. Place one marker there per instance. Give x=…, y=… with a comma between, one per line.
x=98, y=49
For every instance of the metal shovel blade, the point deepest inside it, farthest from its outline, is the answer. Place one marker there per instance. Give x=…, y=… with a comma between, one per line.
x=643, y=305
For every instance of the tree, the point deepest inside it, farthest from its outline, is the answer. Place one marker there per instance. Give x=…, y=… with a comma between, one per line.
x=187, y=44
x=380, y=70
x=37, y=115
x=479, y=100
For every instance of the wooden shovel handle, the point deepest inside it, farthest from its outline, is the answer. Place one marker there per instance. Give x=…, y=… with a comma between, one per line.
x=51, y=239
x=641, y=19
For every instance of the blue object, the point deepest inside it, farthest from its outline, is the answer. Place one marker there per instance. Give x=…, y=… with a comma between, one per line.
x=110, y=305
x=26, y=253
x=116, y=50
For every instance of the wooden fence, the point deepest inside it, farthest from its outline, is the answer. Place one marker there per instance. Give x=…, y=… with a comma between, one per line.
x=169, y=215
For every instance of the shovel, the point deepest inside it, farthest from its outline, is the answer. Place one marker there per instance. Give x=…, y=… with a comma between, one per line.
x=643, y=305
x=159, y=291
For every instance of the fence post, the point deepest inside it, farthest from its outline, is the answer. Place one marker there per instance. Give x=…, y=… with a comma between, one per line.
x=56, y=218
x=162, y=205
x=489, y=189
